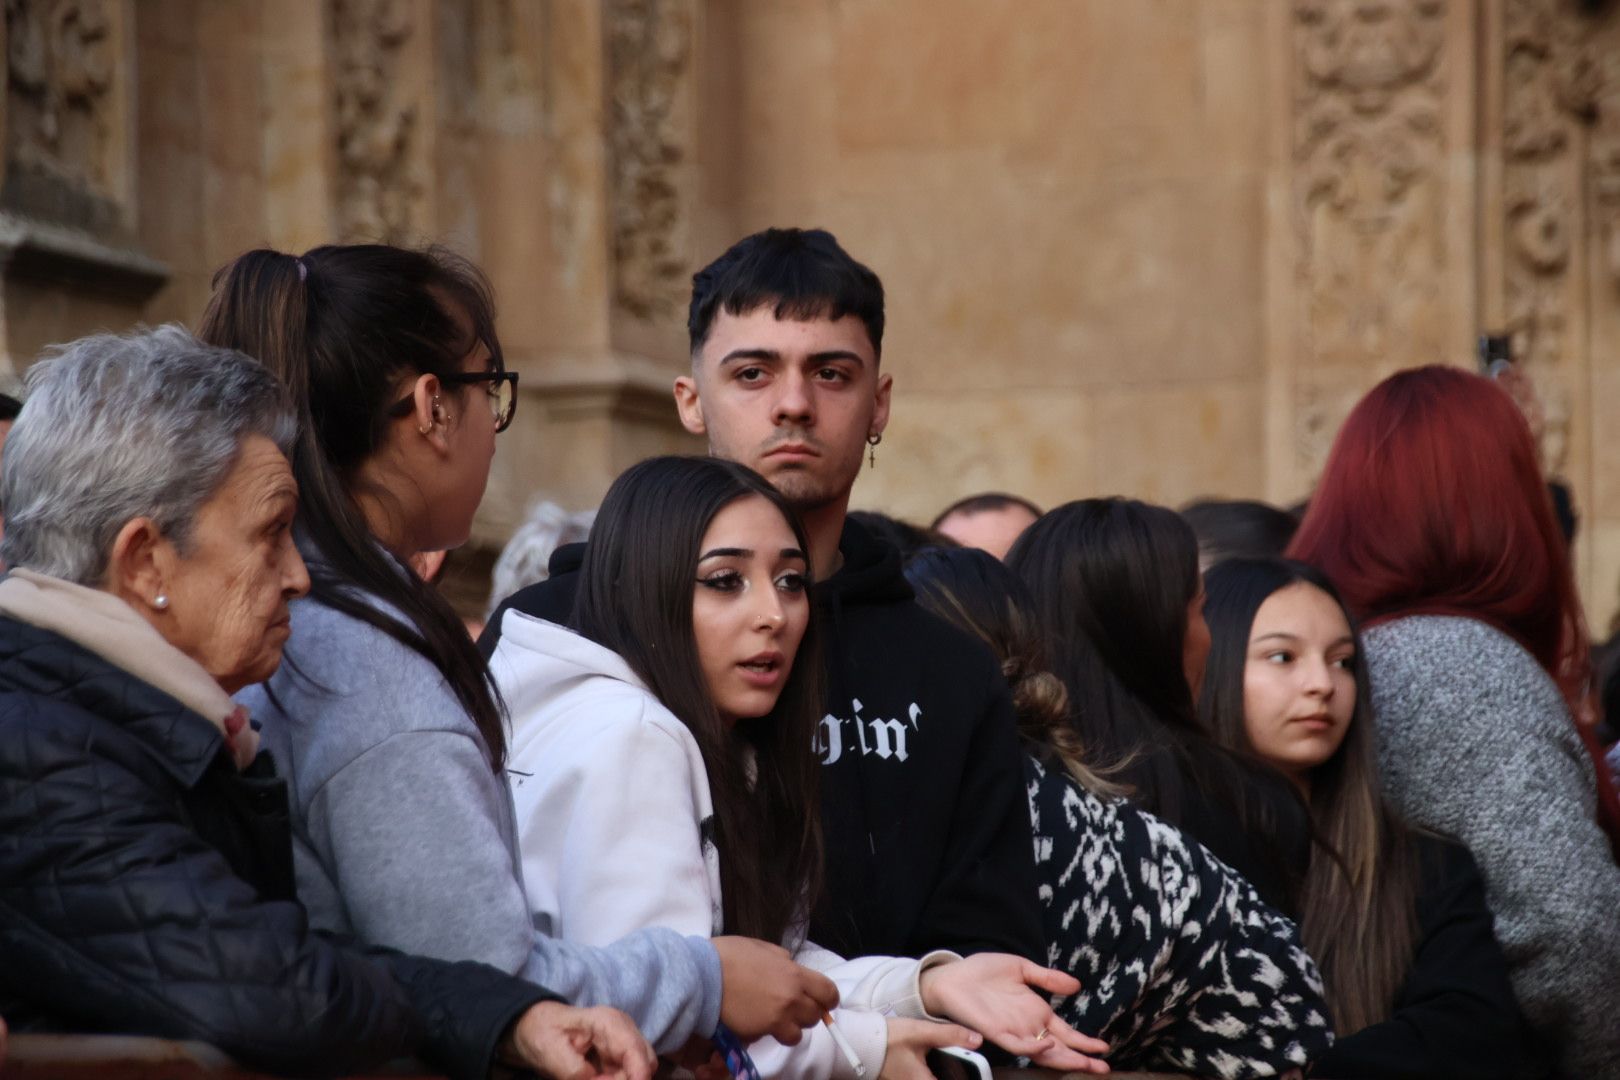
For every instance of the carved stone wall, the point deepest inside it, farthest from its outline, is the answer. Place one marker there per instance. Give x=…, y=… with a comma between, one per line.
x=62, y=112
x=1370, y=192
x=1561, y=191
x=378, y=126
x=649, y=47
x=1150, y=248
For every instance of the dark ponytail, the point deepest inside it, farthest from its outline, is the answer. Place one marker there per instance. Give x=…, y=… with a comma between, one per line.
x=341, y=326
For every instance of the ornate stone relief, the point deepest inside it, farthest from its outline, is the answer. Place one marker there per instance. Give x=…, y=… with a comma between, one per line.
x=1561, y=185
x=649, y=48
x=379, y=181
x=59, y=83
x=1369, y=143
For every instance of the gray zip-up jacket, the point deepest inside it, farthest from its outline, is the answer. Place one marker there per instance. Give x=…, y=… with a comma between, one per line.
x=404, y=837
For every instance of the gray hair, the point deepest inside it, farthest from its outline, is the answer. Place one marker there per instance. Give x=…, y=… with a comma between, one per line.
x=527, y=556
x=120, y=426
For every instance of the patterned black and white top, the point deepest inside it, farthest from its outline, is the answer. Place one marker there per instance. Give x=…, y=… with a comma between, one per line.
x=1182, y=967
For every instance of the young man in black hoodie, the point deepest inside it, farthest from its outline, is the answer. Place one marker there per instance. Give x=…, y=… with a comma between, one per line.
x=926, y=821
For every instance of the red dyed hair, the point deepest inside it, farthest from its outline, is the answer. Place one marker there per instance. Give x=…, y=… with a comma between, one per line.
x=1432, y=503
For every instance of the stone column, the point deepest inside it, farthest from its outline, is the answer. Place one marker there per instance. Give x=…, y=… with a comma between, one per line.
x=583, y=135
x=1373, y=228
x=1551, y=266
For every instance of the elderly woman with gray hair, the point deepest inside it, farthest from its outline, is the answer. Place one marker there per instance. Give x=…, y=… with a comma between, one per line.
x=146, y=879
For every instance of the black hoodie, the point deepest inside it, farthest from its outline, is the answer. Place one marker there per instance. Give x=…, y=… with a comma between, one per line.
x=922, y=792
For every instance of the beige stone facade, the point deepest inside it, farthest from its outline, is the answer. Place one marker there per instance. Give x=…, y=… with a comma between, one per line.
x=1155, y=247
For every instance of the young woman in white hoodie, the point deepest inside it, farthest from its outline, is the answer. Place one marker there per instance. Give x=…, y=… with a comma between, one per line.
x=663, y=771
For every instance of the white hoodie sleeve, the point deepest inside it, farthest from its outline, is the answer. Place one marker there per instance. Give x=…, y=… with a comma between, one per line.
x=612, y=840
x=871, y=989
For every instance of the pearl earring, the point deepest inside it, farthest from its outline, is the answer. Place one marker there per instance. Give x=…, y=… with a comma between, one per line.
x=161, y=602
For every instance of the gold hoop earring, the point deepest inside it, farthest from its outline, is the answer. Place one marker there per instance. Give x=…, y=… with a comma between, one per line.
x=871, y=453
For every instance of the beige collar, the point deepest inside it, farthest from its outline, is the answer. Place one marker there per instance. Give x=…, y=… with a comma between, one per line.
x=103, y=624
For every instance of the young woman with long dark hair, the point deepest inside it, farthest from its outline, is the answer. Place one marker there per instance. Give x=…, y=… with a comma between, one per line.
x=1416, y=981
x=664, y=775
x=1174, y=951
x=1433, y=521
x=1118, y=600
x=383, y=716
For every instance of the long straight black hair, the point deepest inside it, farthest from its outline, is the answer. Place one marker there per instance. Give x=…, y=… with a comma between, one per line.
x=341, y=325
x=1111, y=582
x=1357, y=904
x=635, y=598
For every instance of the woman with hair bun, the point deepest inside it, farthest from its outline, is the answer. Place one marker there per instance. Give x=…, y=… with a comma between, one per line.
x=1174, y=951
x=1118, y=599
x=1433, y=522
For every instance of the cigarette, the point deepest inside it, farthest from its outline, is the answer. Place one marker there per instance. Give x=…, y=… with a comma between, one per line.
x=843, y=1045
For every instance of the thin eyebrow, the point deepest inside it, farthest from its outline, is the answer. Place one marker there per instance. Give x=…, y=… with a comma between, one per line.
x=793, y=553
x=727, y=553
x=1295, y=637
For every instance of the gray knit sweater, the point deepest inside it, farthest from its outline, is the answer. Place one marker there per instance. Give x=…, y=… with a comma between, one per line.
x=1475, y=742
x=402, y=836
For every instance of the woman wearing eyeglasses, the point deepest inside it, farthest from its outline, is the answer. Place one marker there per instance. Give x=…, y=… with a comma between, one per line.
x=382, y=717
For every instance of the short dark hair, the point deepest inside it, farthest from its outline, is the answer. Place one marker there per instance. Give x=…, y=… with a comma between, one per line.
x=979, y=504
x=803, y=272
x=9, y=408
x=1239, y=528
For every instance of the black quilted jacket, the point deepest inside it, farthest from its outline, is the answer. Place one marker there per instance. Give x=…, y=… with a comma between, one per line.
x=146, y=887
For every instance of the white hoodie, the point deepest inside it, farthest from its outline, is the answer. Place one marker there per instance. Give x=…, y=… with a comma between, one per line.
x=611, y=797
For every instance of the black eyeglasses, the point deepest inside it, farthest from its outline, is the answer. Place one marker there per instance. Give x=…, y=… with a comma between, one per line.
x=502, y=394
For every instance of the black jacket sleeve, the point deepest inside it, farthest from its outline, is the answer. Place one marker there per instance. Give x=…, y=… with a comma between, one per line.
x=465, y=1009
x=116, y=916
x=986, y=898
x=1455, y=1015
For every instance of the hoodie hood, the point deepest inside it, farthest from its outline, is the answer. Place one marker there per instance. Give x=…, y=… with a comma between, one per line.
x=871, y=573
x=540, y=662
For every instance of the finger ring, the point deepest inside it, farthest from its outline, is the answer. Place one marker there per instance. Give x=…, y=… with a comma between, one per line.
x=1041, y=1035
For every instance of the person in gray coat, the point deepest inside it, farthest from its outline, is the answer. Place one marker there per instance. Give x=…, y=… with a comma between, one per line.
x=1433, y=521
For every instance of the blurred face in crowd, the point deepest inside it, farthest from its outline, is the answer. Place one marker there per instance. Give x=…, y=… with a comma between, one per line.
x=994, y=531
x=750, y=607
x=794, y=400
x=1195, y=647
x=1299, y=680
x=227, y=590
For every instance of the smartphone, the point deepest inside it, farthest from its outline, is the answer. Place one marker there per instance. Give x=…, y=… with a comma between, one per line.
x=1495, y=354
x=955, y=1063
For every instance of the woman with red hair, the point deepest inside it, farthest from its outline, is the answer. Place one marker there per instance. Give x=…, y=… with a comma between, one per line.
x=1433, y=521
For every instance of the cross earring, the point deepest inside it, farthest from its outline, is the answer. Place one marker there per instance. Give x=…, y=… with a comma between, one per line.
x=871, y=453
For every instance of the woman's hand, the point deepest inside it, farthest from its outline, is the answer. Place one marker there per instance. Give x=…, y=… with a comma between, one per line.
x=910, y=1041
x=991, y=993
x=763, y=992
x=566, y=1043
